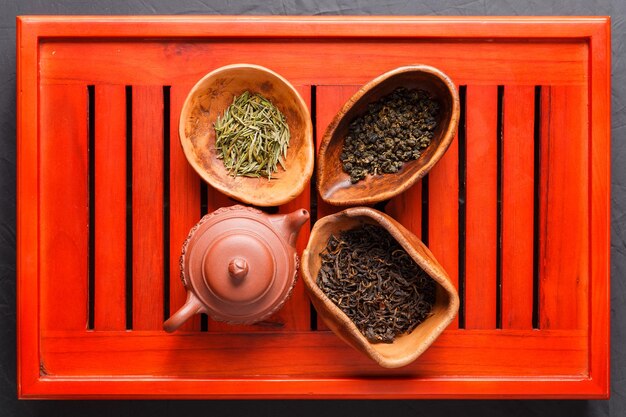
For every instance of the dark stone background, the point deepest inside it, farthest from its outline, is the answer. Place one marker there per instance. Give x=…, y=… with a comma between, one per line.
x=10, y=406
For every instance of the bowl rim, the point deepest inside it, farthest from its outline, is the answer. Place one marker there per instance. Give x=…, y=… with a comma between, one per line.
x=274, y=199
x=447, y=136
x=435, y=272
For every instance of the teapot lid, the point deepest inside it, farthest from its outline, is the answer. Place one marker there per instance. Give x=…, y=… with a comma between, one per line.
x=238, y=264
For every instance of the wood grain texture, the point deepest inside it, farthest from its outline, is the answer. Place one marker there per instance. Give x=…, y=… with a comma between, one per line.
x=564, y=211
x=147, y=202
x=110, y=207
x=569, y=57
x=336, y=388
x=600, y=210
x=481, y=233
x=517, y=207
x=184, y=206
x=27, y=210
x=325, y=63
x=273, y=355
x=318, y=27
x=443, y=214
x=64, y=197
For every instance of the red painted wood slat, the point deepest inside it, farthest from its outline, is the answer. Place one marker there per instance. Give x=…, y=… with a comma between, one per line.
x=564, y=213
x=64, y=196
x=481, y=207
x=599, y=120
x=184, y=206
x=27, y=209
x=443, y=214
x=319, y=355
x=448, y=27
x=337, y=388
x=517, y=207
x=147, y=201
x=336, y=63
x=110, y=208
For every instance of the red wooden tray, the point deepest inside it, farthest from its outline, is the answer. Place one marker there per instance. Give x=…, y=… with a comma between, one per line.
x=517, y=211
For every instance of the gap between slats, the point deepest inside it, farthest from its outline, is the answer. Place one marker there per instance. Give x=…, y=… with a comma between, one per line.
x=426, y=194
x=116, y=299
x=313, y=197
x=512, y=286
x=440, y=211
x=129, y=208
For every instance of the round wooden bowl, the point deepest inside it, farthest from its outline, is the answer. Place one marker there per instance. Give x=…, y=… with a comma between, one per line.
x=334, y=184
x=210, y=97
x=407, y=347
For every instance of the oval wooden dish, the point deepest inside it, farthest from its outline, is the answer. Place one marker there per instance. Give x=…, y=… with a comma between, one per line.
x=210, y=97
x=334, y=184
x=407, y=347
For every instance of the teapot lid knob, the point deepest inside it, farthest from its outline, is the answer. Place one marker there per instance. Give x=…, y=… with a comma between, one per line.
x=239, y=267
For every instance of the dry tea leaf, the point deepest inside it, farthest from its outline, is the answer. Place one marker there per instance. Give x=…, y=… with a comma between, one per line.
x=394, y=130
x=252, y=137
x=371, y=278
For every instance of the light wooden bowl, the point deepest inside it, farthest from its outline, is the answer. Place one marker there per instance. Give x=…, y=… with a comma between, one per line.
x=334, y=184
x=210, y=97
x=405, y=348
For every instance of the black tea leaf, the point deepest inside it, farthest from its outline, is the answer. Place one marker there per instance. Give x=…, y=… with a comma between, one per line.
x=371, y=278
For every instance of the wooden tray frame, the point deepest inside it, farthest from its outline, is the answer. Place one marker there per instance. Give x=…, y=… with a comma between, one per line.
x=34, y=381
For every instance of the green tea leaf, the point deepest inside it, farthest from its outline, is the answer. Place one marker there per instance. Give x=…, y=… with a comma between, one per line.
x=252, y=137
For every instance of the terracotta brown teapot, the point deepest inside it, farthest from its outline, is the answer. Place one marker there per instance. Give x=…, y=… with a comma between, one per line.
x=238, y=265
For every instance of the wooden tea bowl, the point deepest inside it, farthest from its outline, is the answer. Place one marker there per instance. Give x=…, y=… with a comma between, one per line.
x=407, y=347
x=334, y=184
x=210, y=97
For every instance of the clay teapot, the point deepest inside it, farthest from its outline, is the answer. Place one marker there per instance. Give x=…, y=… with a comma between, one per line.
x=238, y=265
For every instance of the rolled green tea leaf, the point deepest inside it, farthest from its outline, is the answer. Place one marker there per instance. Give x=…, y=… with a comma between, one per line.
x=252, y=137
x=394, y=130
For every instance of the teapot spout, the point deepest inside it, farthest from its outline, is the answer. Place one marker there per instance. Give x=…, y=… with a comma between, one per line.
x=290, y=224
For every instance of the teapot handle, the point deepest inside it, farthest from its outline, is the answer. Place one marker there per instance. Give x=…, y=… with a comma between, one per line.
x=192, y=306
